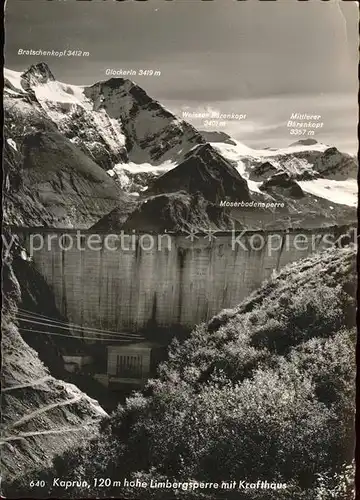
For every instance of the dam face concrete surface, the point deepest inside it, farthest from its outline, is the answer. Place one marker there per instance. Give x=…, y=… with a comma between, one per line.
x=183, y=283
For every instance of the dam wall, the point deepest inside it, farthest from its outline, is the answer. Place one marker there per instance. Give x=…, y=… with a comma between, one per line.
x=176, y=282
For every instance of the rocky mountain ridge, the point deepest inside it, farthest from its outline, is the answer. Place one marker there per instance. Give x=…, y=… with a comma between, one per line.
x=48, y=179
x=120, y=148
x=41, y=414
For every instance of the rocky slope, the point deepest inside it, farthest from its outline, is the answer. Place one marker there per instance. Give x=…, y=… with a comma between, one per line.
x=303, y=160
x=325, y=177
x=48, y=180
x=65, y=105
x=216, y=136
x=186, y=197
x=206, y=172
x=282, y=182
x=114, y=121
x=332, y=164
x=152, y=133
x=170, y=212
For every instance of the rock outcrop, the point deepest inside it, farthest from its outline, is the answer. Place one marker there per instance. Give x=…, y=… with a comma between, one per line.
x=49, y=181
x=333, y=164
x=206, y=172
x=216, y=136
x=152, y=133
x=284, y=183
x=174, y=212
x=263, y=171
x=41, y=415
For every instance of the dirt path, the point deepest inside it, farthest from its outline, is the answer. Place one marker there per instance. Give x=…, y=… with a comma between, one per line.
x=64, y=430
x=29, y=384
x=44, y=409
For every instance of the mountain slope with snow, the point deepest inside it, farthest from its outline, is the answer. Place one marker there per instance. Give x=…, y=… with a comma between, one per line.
x=153, y=134
x=99, y=136
x=169, y=212
x=142, y=150
x=113, y=121
x=207, y=172
x=322, y=171
x=48, y=179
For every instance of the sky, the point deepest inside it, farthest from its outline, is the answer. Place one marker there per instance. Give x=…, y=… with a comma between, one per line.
x=265, y=59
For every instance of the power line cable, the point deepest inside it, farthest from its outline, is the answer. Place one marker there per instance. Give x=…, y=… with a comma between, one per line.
x=124, y=337
x=70, y=336
x=42, y=323
x=47, y=319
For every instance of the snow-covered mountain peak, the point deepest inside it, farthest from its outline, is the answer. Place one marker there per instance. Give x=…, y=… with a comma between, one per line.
x=112, y=121
x=12, y=82
x=134, y=138
x=153, y=134
x=305, y=142
x=319, y=169
x=38, y=73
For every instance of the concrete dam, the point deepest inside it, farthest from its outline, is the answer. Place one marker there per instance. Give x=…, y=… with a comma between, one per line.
x=177, y=281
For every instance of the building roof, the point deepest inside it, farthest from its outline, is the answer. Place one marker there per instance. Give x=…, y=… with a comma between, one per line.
x=143, y=344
